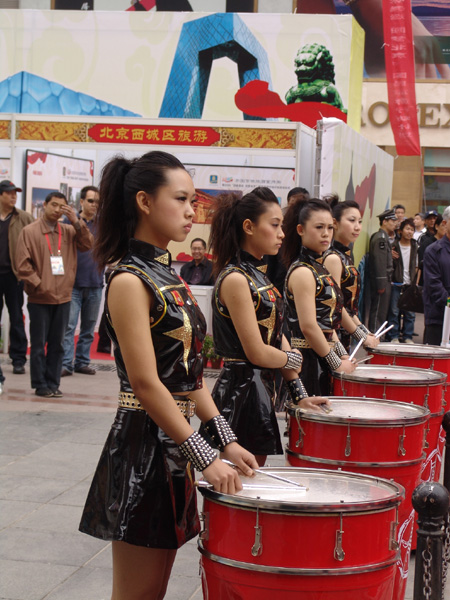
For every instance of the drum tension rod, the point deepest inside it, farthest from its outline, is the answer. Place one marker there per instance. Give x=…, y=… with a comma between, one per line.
x=401, y=448
x=257, y=546
x=348, y=445
x=339, y=553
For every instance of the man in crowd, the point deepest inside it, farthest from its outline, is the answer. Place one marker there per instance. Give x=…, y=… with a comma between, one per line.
x=199, y=270
x=86, y=296
x=419, y=225
x=436, y=283
x=430, y=221
x=46, y=261
x=380, y=269
x=12, y=221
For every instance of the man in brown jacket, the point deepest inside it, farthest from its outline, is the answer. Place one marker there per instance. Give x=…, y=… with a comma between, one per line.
x=47, y=262
x=12, y=221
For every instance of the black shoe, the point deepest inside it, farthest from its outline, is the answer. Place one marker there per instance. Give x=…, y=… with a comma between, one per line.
x=86, y=370
x=44, y=392
x=18, y=369
x=57, y=393
x=66, y=373
x=103, y=349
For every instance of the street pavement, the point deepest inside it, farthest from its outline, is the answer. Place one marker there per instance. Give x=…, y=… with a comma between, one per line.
x=48, y=452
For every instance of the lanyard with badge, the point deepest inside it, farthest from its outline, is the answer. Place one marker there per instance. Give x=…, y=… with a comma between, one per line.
x=56, y=262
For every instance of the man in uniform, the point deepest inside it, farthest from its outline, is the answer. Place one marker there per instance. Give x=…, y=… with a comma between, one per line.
x=380, y=269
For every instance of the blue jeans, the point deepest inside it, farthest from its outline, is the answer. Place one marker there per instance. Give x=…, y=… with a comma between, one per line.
x=12, y=290
x=394, y=317
x=85, y=301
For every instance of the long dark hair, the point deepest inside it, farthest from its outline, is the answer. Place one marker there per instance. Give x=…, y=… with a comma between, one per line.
x=230, y=212
x=338, y=208
x=298, y=213
x=117, y=215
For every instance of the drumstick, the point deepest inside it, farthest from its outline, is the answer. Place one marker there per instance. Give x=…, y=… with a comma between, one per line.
x=246, y=486
x=365, y=359
x=352, y=355
x=380, y=333
x=272, y=475
x=380, y=328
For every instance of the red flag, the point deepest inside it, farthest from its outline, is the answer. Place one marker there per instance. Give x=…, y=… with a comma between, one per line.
x=400, y=75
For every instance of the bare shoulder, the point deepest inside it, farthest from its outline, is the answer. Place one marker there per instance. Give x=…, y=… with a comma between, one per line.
x=332, y=259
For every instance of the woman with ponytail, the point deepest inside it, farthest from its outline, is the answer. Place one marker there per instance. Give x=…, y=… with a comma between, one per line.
x=247, y=321
x=313, y=299
x=142, y=496
x=339, y=262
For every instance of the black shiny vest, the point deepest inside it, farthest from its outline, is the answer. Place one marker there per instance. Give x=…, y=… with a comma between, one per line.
x=177, y=324
x=350, y=277
x=267, y=301
x=329, y=298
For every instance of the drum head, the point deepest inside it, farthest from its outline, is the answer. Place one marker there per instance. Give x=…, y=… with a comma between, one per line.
x=416, y=350
x=366, y=411
x=404, y=376
x=322, y=491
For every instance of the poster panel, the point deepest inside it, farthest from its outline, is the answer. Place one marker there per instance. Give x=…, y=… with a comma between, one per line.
x=212, y=180
x=356, y=169
x=47, y=172
x=5, y=168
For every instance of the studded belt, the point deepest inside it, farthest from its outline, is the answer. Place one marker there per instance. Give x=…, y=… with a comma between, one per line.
x=301, y=343
x=186, y=405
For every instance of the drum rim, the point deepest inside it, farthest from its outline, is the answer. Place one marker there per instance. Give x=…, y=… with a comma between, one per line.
x=431, y=382
x=329, y=418
x=269, y=505
x=349, y=464
x=231, y=562
x=444, y=352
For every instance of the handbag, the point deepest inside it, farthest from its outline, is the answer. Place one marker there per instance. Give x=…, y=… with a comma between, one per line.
x=411, y=298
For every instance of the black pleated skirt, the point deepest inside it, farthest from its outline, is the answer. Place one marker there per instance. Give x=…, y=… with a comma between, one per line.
x=143, y=488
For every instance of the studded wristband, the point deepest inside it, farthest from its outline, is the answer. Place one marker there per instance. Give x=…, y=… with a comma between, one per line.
x=294, y=360
x=359, y=334
x=364, y=328
x=197, y=451
x=333, y=360
x=340, y=350
x=297, y=390
x=220, y=432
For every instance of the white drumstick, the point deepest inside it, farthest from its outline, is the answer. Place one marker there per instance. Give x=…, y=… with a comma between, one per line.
x=352, y=355
x=378, y=335
x=380, y=328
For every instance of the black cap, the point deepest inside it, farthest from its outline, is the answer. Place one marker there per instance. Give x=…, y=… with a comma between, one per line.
x=389, y=213
x=431, y=213
x=8, y=186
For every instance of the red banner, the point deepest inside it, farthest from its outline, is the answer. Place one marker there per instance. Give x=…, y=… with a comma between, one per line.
x=400, y=75
x=154, y=134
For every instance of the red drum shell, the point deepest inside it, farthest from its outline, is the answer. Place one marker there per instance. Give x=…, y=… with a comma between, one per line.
x=223, y=582
x=435, y=437
x=402, y=384
x=359, y=431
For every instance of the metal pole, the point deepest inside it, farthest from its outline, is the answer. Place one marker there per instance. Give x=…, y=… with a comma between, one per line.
x=446, y=427
x=431, y=501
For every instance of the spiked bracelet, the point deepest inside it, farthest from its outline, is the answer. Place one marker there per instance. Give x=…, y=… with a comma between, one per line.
x=359, y=334
x=297, y=390
x=294, y=360
x=197, y=451
x=340, y=350
x=333, y=360
x=220, y=432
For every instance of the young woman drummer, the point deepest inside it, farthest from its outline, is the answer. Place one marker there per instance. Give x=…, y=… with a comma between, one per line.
x=247, y=321
x=142, y=496
x=314, y=301
x=339, y=262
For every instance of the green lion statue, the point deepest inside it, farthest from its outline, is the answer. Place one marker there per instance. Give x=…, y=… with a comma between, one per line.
x=315, y=75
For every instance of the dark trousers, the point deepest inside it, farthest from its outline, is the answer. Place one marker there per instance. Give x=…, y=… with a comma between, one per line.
x=48, y=324
x=12, y=290
x=432, y=335
x=379, y=307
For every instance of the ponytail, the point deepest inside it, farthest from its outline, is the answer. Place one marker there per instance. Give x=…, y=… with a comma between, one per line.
x=230, y=212
x=117, y=215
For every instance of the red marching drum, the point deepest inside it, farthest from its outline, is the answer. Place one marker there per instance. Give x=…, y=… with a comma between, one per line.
x=335, y=538
x=368, y=436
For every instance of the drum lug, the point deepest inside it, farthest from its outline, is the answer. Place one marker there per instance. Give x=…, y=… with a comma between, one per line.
x=427, y=395
x=204, y=533
x=257, y=546
x=339, y=553
x=444, y=392
x=348, y=445
x=301, y=433
x=393, y=544
x=425, y=435
x=401, y=449
x=384, y=390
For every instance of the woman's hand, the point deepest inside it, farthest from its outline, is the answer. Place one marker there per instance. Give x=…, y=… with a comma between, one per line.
x=315, y=403
x=224, y=478
x=371, y=341
x=242, y=458
x=347, y=366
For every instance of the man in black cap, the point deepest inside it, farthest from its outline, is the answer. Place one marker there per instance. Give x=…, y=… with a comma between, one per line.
x=380, y=269
x=12, y=221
